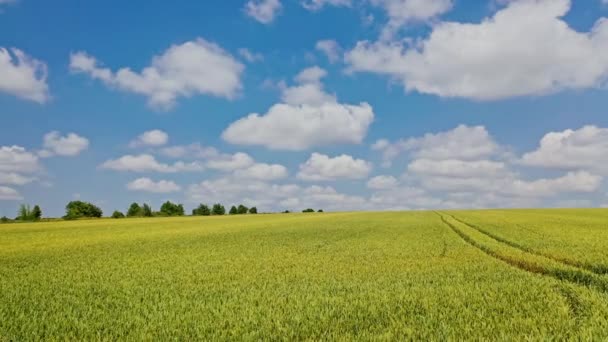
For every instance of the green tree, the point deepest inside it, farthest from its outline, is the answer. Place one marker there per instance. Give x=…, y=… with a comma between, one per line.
x=80, y=209
x=146, y=210
x=25, y=213
x=309, y=210
x=117, y=214
x=36, y=213
x=242, y=209
x=253, y=210
x=4, y=219
x=218, y=209
x=233, y=211
x=320, y=210
x=171, y=209
x=201, y=210
x=135, y=210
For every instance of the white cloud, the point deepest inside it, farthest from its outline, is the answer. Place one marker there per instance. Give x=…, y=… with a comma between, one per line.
x=12, y=178
x=320, y=167
x=457, y=168
x=70, y=145
x=330, y=48
x=308, y=118
x=266, y=196
x=315, y=5
x=193, y=151
x=264, y=11
x=524, y=49
x=263, y=172
x=18, y=159
x=466, y=168
x=462, y=142
x=582, y=149
x=23, y=76
x=192, y=68
x=382, y=183
x=572, y=182
x=230, y=162
x=147, y=163
x=154, y=137
x=148, y=185
x=250, y=56
x=9, y=194
x=401, y=12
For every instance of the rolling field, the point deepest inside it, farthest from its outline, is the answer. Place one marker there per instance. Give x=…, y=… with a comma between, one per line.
x=497, y=275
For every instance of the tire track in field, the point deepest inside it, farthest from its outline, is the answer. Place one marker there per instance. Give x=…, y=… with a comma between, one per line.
x=568, y=262
x=532, y=263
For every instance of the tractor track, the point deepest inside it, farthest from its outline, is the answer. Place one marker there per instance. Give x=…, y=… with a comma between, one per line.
x=588, y=267
x=542, y=266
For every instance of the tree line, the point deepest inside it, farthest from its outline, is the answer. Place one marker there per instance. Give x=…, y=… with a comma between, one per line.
x=80, y=209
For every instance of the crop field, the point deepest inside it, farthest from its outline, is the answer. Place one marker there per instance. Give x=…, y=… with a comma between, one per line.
x=494, y=275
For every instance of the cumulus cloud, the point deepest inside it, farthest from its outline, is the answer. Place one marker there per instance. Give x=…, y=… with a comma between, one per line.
x=264, y=11
x=463, y=142
x=23, y=76
x=148, y=163
x=309, y=117
x=196, y=67
x=401, y=12
x=17, y=167
x=267, y=196
x=70, y=145
x=582, y=149
x=525, y=49
x=18, y=159
x=9, y=194
x=382, y=182
x=250, y=56
x=263, y=172
x=230, y=162
x=466, y=168
x=315, y=5
x=195, y=150
x=13, y=178
x=154, y=137
x=330, y=48
x=148, y=185
x=320, y=167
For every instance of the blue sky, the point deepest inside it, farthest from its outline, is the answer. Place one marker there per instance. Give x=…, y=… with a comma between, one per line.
x=288, y=104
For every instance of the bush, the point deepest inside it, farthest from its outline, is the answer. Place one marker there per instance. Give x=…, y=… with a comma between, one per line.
x=4, y=219
x=201, y=210
x=253, y=210
x=320, y=210
x=80, y=209
x=309, y=210
x=242, y=209
x=233, y=211
x=118, y=215
x=218, y=209
x=171, y=209
x=286, y=212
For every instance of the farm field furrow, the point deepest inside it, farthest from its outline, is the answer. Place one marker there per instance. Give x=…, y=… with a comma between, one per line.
x=342, y=276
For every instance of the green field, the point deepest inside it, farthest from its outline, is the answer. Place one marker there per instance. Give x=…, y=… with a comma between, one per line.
x=497, y=275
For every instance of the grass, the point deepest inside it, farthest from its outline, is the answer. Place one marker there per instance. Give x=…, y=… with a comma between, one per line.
x=490, y=275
